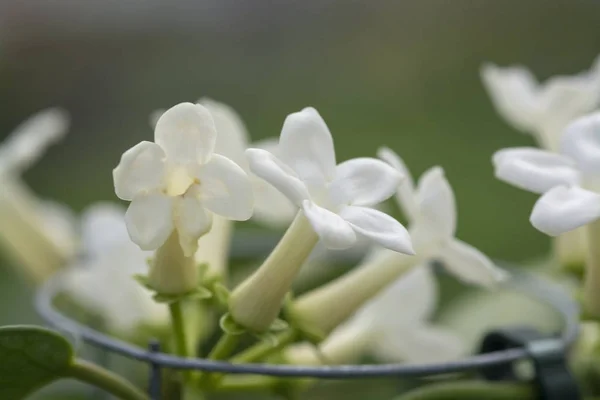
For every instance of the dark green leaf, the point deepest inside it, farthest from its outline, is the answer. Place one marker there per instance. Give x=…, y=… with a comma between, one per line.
x=31, y=357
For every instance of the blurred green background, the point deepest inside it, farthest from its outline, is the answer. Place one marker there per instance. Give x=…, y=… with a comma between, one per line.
x=400, y=73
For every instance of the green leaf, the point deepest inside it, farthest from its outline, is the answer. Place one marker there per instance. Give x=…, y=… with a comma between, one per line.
x=228, y=325
x=31, y=357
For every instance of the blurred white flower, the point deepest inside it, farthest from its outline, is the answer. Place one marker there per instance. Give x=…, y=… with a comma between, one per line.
x=394, y=326
x=178, y=181
x=568, y=182
x=38, y=234
x=103, y=282
x=542, y=110
x=431, y=211
x=336, y=199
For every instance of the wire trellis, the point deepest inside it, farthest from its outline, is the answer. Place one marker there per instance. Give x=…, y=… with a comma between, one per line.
x=542, y=290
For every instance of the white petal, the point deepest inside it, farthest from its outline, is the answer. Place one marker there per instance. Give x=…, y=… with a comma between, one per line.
x=411, y=299
x=437, y=208
x=271, y=207
x=187, y=134
x=266, y=166
x=155, y=116
x=149, y=220
x=470, y=265
x=581, y=142
x=364, y=182
x=62, y=226
x=514, y=92
x=225, y=188
x=405, y=195
x=533, y=169
x=563, y=209
x=103, y=227
x=418, y=344
x=306, y=146
x=232, y=136
x=30, y=139
x=191, y=221
x=331, y=228
x=379, y=227
x=141, y=169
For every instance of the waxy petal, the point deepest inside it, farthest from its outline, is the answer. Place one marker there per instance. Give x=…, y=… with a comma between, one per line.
x=581, y=142
x=378, y=227
x=141, y=170
x=364, y=182
x=225, y=188
x=405, y=195
x=418, y=344
x=334, y=231
x=437, y=207
x=192, y=221
x=306, y=146
x=232, y=135
x=563, y=209
x=533, y=169
x=103, y=227
x=514, y=93
x=187, y=134
x=470, y=265
x=268, y=167
x=149, y=220
x=30, y=139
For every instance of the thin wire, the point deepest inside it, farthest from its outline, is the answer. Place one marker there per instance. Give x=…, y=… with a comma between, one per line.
x=544, y=291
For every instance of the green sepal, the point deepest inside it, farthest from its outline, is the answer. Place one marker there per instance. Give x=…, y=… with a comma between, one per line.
x=229, y=326
x=278, y=325
x=268, y=337
x=221, y=294
x=143, y=280
x=31, y=357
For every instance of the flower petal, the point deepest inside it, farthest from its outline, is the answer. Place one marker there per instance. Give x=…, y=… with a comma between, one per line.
x=149, y=220
x=30, y=139
x=142, y=169
x=271, y=207
x=232, y=135
x=187, y=134
x=266, y=166
x=192, y=221
x=514, y=92
x=103, y=227
x=364, y=182
x=470, y=265
x=563, y=209
x=306, y=146
x=405, y=195
x=581, y=142
x=418, y=344
x=379, y=227
x=437, y=208
x=533, y=169
x=331, y=228
x=225, y=188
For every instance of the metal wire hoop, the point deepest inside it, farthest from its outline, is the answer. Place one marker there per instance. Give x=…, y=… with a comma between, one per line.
x=543, y=291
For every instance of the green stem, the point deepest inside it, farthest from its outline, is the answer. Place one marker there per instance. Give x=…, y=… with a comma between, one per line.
x=179, y=333
x=591, y=286
x=262, y=350
x=247, y=383
x=472, y=390
x=224, y=347
x=97, y=376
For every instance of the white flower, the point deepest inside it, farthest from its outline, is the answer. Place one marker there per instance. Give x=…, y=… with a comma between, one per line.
x=270, y=206
x=431, y=211
x=178, y=181
x=542, y=110
x=394, y=326
x=336, y=199
x=38, y=234
x=103, y=281
x=568, y=182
